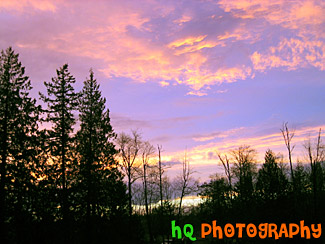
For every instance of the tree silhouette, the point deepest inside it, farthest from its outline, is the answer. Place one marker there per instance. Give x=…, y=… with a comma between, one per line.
x=100, y=181
x=18, y=127
x=147, y=151
x=129, y=149
x=244, y=170
x=316, y=155
x=61, y=101
x=271, y=180
x=287, y=136
x=185, y=183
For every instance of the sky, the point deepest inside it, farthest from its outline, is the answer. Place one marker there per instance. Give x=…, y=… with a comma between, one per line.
x=195, y=76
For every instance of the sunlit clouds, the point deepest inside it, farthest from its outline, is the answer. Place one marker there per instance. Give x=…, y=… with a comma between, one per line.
x=230, y=140
x=159, y=43
x=197, y=74
x=289, y=14
x=28, y=6
x=192, y=43
x=291, y=54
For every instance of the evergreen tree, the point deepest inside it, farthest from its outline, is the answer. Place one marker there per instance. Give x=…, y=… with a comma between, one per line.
x=102, y=188
x=18, y=127
x=61, y=101
x=272, y=182
x=217, y=193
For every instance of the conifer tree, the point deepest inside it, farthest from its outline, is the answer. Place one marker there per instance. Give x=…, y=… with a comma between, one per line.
x=62, y=101
x=101, y=182
x=18, y=127
x=271, y=180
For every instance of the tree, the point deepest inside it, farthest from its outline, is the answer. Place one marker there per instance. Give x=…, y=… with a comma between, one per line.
x=287, y=136
x=18, y=128
x=185, y=182
x=98, y=175
x=271, y=180
x=164, y=186
x=217, y=195
x=129, y=149
x=244, y=169
x=316, y=155
x=147, y=151
x=61, y=101
x=161, y=172
x=226, y=165
x=302, y=181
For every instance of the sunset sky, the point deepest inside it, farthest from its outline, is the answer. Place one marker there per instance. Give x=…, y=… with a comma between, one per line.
x=193, y=75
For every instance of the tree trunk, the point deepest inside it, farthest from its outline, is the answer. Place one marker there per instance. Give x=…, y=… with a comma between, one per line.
x=130, y=193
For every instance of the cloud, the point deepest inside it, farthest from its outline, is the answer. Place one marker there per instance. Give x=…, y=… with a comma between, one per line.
x=185, y=18
x=186, y=42
x=164, y=83
x=145, y=44
x=196, y=44
x=28, y=5
x=205, y=154
x=162, y=139
x=222, y=91
x=299, y=25
x=121, y=122
x=304, y=16
x=207, y=137
x=214, y=135
x=291, y=54
x=174, y=121
x=197, y=93
x=172, y=163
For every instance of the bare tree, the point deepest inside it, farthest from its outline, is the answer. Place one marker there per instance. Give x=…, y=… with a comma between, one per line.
x=185, y=182
x=287, y=136
x=164, y=188
x=129, y=149
x=245, y=170
x=167, y=188
x=315, y=152
x=160, y=171
x=147, y=151
x=226, y=165
x=316, y=155
x=164, y=184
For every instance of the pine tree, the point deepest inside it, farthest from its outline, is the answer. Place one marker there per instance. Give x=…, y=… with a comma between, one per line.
x=18, y=127
x=101, y=182
x=62, y=101
x=271, y=180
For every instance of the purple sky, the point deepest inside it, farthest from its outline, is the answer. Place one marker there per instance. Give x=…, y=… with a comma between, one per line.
x=196, y=75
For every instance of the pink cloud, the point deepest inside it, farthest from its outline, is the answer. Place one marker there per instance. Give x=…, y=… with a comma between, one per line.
x=304, y=16
x=28, y=5
x=124, y=41
x=201, y=155
x=176, y=43
x=291, y=54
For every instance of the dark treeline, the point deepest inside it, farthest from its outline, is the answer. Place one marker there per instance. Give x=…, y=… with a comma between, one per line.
x=85, y=184
x=58, y=185
x=268, y=194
